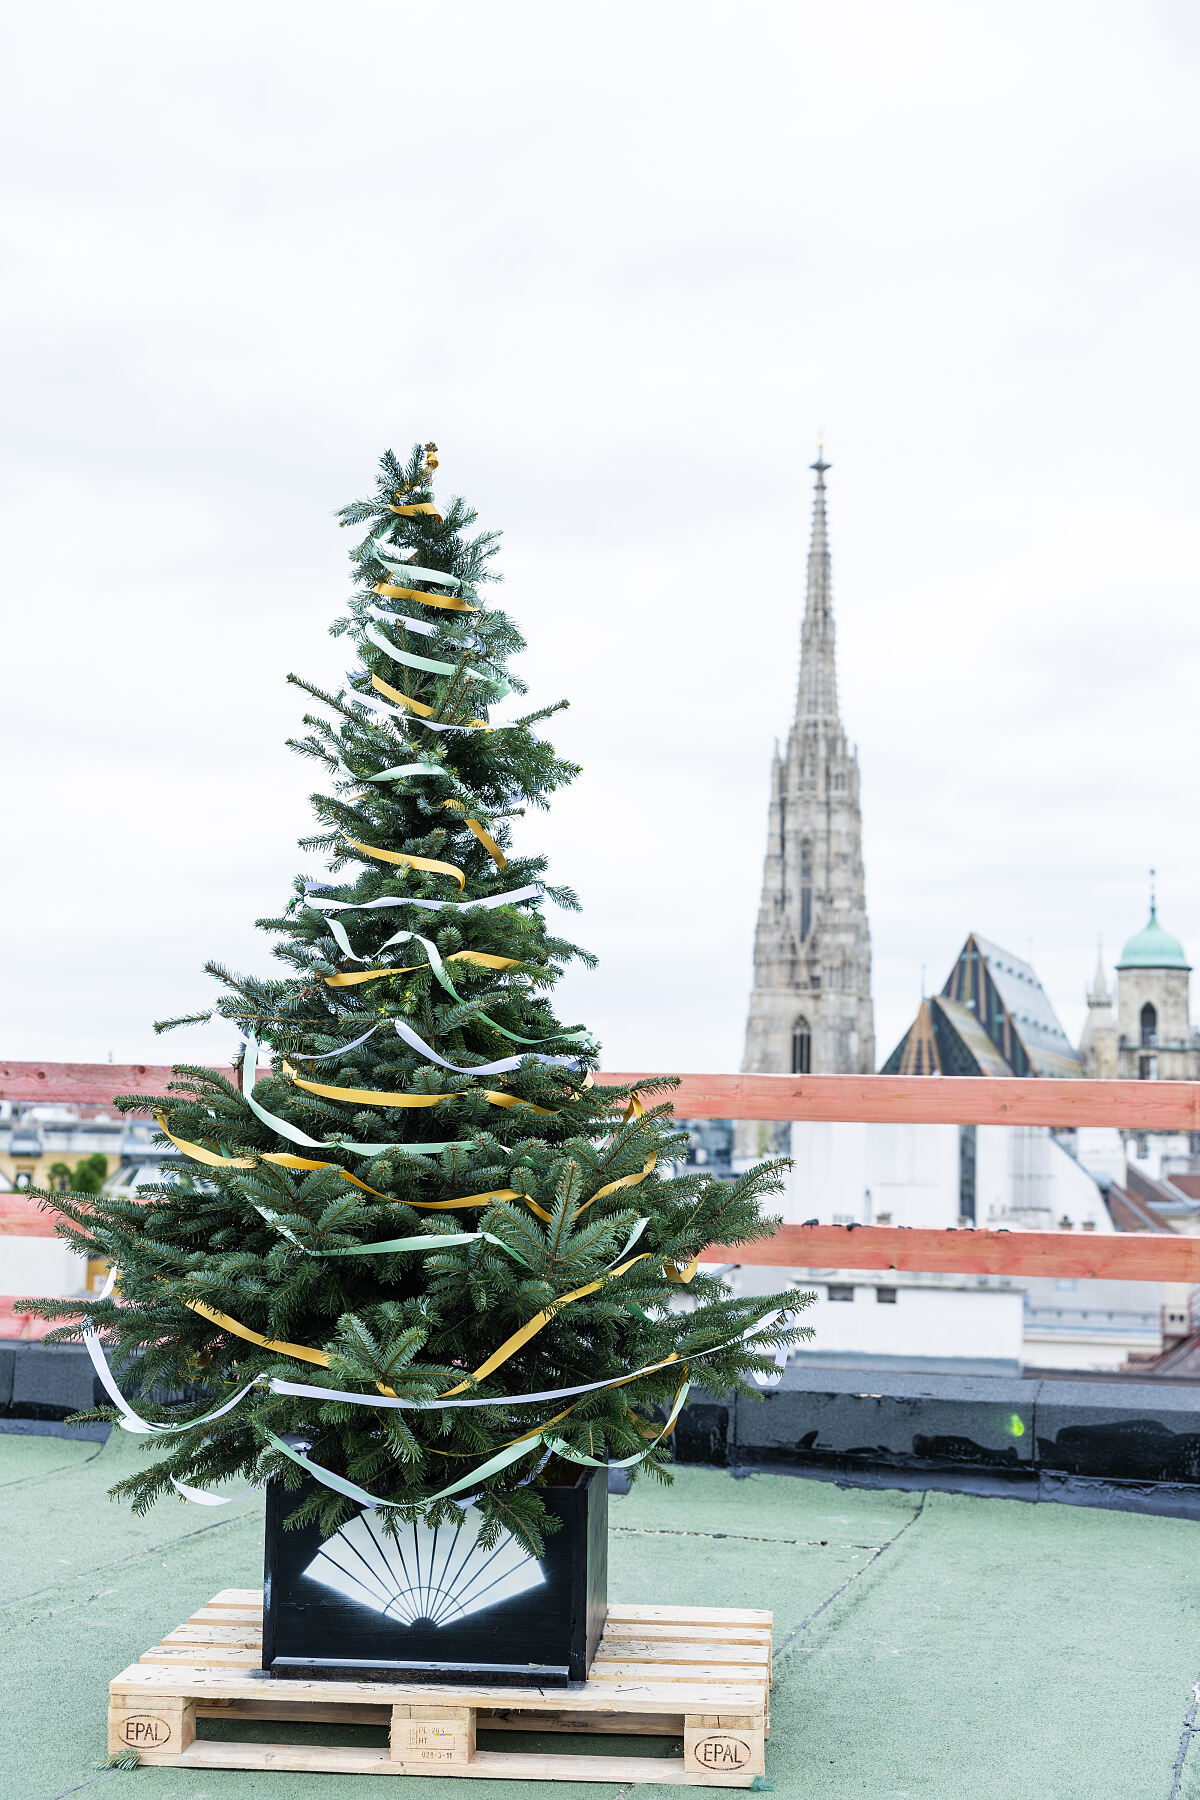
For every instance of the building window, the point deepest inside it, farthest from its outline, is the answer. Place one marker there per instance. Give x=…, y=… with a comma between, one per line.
x=1147, y=1068
x=885, y=1296
x=967, y=1144
x=1149, y=1027
x=801, y=1048
x=840, y=1293
x=805, y=889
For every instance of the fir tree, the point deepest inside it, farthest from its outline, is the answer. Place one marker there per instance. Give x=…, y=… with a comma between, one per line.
x=556, y=1246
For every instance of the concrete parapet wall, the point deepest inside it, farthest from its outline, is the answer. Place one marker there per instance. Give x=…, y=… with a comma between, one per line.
x=1055, y=1437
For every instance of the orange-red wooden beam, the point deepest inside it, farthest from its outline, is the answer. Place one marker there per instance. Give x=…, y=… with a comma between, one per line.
x=1125, y=1256
x=933, y=1100
x=912, y=1099
x=1122, y=1256
x=21, y=1216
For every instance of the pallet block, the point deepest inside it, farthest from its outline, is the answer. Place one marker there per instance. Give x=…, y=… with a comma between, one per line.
x=702, y=1674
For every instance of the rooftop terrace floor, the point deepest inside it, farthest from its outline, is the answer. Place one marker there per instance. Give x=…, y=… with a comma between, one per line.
x=929, y=1646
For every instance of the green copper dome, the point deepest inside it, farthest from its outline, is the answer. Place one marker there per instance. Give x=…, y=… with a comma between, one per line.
x=1153, y=948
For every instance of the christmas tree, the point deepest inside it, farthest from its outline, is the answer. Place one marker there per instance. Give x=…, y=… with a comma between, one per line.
x=411, y=1208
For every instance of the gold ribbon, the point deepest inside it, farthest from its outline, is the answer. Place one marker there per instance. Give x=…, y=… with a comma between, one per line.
x=254, y=1337
x=413, y=512
x=508, y=1348
x=198, y=1153
x=448, y=603
x=304, y=1162
x=372, y=1096
x=489, y=843
x=417, y=706
x=286, y=1160
x=411, y=862
x=520, y=1338
x=482, y=957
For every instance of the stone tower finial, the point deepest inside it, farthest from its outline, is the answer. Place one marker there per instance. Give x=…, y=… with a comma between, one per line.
x=1098, y=994
x=816, y=694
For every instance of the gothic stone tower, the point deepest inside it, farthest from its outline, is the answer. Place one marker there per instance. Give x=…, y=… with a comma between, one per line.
x=810, y=1010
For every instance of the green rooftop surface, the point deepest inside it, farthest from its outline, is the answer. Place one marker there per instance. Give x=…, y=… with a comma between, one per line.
x=928, y=1646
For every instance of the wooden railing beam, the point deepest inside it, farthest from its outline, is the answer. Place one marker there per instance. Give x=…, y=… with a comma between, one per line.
x=931, y=1100
x=1081, y=1255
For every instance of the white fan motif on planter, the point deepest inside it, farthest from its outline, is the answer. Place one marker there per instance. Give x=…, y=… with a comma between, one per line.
x=437, y=1574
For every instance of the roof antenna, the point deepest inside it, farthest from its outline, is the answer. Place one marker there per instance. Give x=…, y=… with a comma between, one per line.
x=1153, y=900
x=922, y=983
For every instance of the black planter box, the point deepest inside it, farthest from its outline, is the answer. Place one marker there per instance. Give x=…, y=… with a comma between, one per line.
x=429, y=1605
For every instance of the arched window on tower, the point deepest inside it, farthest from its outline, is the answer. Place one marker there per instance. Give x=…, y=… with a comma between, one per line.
x=801, y=1047
x=1149, y=1027
x=805, y=892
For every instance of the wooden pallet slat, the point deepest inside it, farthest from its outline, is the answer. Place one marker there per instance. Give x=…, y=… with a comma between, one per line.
x=699, y=1674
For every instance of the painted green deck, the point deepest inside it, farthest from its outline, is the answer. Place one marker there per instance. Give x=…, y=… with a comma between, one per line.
x=928, y=1647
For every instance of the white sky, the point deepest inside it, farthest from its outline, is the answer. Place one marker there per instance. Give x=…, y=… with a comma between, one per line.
x=623, y=263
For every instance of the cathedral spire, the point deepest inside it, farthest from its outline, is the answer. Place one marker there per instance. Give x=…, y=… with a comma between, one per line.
x=816, y=696
x=810, y=1008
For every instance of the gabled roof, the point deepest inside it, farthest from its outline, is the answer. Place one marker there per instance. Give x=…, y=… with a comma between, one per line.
x=973, y=1036
x=993, y=1017
x=1046, y=1043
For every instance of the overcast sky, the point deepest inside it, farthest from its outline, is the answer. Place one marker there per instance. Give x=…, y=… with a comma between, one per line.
x=623, y=263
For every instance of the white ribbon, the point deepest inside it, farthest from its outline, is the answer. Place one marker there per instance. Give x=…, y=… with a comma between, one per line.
x=305, y=1390
x=417, y=625
x=135, y=1424
x=198, y=1497
x=493, y=1068
x=325, y=1055
x=509, y=899
x=400, y=715
x=133, y=1421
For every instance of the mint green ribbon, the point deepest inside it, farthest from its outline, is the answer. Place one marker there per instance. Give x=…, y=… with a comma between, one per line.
x=337, y=932
x=626, y=1462
x=403, y=769
x=395, y=1246
x=510, y=1454
x=388, y=553
x=495, y=684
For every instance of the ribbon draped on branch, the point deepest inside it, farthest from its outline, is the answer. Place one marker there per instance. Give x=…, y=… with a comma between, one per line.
x=373, y=1097
x=407, y=861
x=446, y=602
x=427, y=663
x=491, y=900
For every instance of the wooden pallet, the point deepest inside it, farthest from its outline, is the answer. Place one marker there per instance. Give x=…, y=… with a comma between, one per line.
x=699, y=1673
